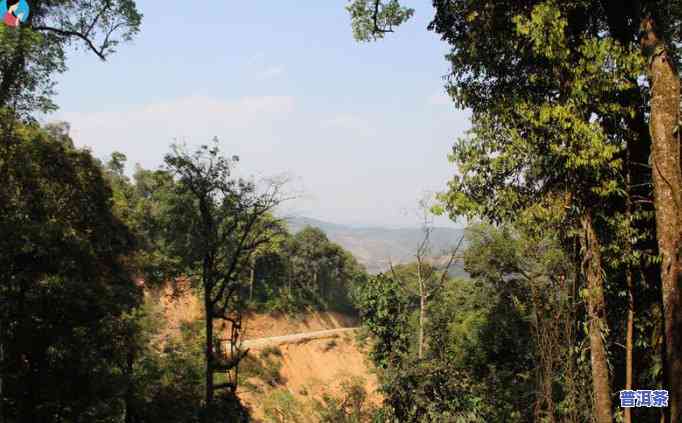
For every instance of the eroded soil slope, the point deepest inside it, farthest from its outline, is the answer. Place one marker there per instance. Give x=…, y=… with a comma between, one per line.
x=309, y=370
x=290, y=377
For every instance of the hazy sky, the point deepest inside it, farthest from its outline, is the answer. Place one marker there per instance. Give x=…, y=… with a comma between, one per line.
x=364, y=129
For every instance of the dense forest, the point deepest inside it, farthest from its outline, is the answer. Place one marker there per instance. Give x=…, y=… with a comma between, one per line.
x=570, y=180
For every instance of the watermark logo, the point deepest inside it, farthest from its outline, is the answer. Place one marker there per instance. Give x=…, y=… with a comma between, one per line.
x=14, y=12
x=643, y=398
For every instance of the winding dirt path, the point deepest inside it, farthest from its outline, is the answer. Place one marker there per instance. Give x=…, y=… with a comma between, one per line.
x=296, y=337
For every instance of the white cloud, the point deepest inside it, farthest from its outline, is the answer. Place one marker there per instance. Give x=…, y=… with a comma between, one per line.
x=186, y=113
x=144, y=132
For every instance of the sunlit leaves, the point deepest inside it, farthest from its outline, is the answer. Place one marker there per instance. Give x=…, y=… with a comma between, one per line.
x=32, y=55
x=557, y=135
x=371, y=19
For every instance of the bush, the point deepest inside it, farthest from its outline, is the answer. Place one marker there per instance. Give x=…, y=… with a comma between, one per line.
x=281, y=407
x=267, y=369
x=352, y=407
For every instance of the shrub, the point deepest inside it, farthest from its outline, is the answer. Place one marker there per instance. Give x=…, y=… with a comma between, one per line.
x=267, y=369
x=281, y=407
x=352, y=407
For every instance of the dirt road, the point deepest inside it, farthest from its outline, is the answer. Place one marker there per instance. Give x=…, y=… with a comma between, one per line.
x=289, y=339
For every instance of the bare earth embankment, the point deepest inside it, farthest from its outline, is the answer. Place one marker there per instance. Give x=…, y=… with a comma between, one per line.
x=316, y=353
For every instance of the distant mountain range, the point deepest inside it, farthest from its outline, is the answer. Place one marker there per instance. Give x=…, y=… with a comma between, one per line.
x=375, y=247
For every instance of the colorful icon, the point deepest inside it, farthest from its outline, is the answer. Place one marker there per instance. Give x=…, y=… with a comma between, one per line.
x=14, y=12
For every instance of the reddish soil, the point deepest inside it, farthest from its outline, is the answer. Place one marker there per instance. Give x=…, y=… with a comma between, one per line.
x=310, y=368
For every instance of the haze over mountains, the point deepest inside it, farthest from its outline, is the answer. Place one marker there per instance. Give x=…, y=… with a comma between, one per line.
x=376, y=247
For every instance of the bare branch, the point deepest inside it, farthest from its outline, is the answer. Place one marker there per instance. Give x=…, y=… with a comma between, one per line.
x=64, y=33
x=451, y=260
x=97, y=18
x=395, y=276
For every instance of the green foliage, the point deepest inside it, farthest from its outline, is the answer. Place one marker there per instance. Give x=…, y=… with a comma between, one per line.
x=267, y=368
x=383, y=306
x=281, y=407
x=69, y=307
x=169, y=373
x=216, y=232
x=488, y=337
x=283, y=273
x=371, y=19
x=32, y=54
x=351, y=407
x=530, y=146
x=560, y=130
x=148, y=205
x=169, y=383
x=305, y=271
x=66, y=292
x=432, y=392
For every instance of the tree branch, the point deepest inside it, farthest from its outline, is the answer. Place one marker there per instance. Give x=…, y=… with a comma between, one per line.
x=64, y=33
x=375, y=19
x=451, y=260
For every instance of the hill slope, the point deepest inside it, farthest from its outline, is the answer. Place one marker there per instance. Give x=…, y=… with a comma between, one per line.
x=296, y=374
x=307, y=369
x=376, y=247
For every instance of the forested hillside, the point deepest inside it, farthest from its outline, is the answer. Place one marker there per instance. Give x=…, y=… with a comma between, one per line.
x=126, y=291
x=91, y=253
x=574, y=155
x=377, y=247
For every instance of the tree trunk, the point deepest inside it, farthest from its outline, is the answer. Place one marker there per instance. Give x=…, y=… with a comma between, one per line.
x=252, y=276
x=596, y=307
x=629, y=339
x=129, y=396
x=629, y=335
x=2, y=369
x=544, y=338
x=667, y=178
x=570, y=341
x=209, y=356
x=422, y=309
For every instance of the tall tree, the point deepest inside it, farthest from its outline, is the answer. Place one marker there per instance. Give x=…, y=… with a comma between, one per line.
x=429, y=280
x=66, y=285
x=221, y=228
x=550, y=69
x=667, y=170
x=531, y=269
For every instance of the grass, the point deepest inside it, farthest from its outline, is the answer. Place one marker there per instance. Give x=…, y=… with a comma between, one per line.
x=281, y=407
x=266, y=369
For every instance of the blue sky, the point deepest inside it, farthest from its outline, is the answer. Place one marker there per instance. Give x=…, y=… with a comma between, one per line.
x=362, y=129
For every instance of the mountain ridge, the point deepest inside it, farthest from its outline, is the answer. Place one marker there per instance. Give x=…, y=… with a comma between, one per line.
x=376, y=247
